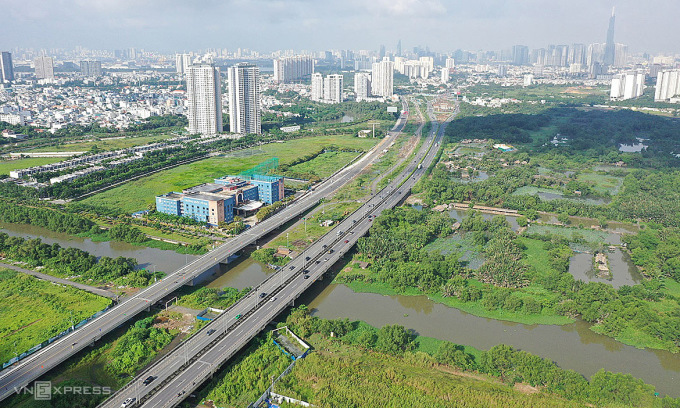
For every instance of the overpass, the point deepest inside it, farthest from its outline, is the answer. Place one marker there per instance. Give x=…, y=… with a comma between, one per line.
x=183, y=370
x=34, y=366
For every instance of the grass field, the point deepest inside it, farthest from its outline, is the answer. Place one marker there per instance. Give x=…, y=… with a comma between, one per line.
x=139, y=194
x=8, y=165
x=603, y=183
x=104, y=143
x=338, y=374
x=531, y=190
x=324, y=164
x=33, y=310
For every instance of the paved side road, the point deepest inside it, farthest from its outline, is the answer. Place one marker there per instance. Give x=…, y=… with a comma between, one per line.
x=43, y=276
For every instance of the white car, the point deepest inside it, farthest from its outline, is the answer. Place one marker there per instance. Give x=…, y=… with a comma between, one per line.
x=272, y=299
x=128, y=402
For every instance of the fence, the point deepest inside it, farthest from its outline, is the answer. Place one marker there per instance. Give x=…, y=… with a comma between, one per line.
x=52, y=340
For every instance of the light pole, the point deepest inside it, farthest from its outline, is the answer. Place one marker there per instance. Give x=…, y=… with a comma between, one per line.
x=287, y=242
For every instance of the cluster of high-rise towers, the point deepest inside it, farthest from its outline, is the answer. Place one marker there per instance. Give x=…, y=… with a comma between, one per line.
x=204, y=96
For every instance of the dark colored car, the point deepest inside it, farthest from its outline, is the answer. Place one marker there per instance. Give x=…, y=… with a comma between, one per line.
x=211, y=331
x=263, y=294
x=149, y=379
x=306, y=276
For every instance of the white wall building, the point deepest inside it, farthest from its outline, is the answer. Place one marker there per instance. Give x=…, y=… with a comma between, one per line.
x=362, y=86
x=204, y=99
x=244, y=99
x=383, y=79
x=628, y=85
x=445, y=75
x=288, y=69
x=317, y=87
x=450, y=63
x=333, y=88
x=182, y=63
x=667, y=85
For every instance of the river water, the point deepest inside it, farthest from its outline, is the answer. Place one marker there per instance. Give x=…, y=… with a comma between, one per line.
x=572, y=346
x=148, y=258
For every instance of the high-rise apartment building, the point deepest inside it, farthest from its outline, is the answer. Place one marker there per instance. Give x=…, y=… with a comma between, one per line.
x=244, y=99
x=667, y=85
x=382, y=79
x=450, y=63
x=293, y=68
x=204, y=99
x=620, y=55
x=317, y=87
x=520, y=55
x=6, y=67
x=627, y=85
x=44, y=67
x=182, y=63
x=362, y=86
x=332, y=88
x=90, y=68
x=445, y=75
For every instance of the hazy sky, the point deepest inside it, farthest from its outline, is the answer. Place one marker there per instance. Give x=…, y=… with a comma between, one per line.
x=265, y=25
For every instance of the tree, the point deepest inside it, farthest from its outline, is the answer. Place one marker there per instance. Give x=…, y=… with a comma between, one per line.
x=394, y=339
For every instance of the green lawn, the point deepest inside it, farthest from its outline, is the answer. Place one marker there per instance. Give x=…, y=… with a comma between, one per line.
x=33, y=310
x=104, y=143
x=8, y=165
x=324, y=164
x=140, y=194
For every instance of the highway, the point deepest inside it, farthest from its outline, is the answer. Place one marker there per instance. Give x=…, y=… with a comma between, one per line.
x=183, y=370
x=34, y=366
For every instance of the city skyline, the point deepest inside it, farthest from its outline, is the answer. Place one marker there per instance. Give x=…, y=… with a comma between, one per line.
x=267, y=25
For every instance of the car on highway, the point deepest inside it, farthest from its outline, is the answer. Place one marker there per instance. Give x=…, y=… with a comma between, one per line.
x=346, y=241
x=128, y=402
x=317, y=262
x=148, y=380
x=262, y=295
x=211, y=331
x=325, y=246
x=272, y=299
x=330, y=251
x=237, y=316
x=307, y=258
x=306, y=276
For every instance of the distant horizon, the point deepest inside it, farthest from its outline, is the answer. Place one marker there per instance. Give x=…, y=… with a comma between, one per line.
x=170, y=26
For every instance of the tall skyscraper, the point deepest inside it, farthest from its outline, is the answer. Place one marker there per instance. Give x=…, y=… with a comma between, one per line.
x=399, y=48
x=450, y=63
x=244, y=99
x=382, y=78
x=362, y=86
x=182, y=63
x=520, y=55
x=667, y=85
x=332, y=88
x=90, y=68
x=381, y=53
x=204, y=99
x=289, y=69
x=317, y=87
x=6, y=67
x=610, y=46
x=44, y=67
